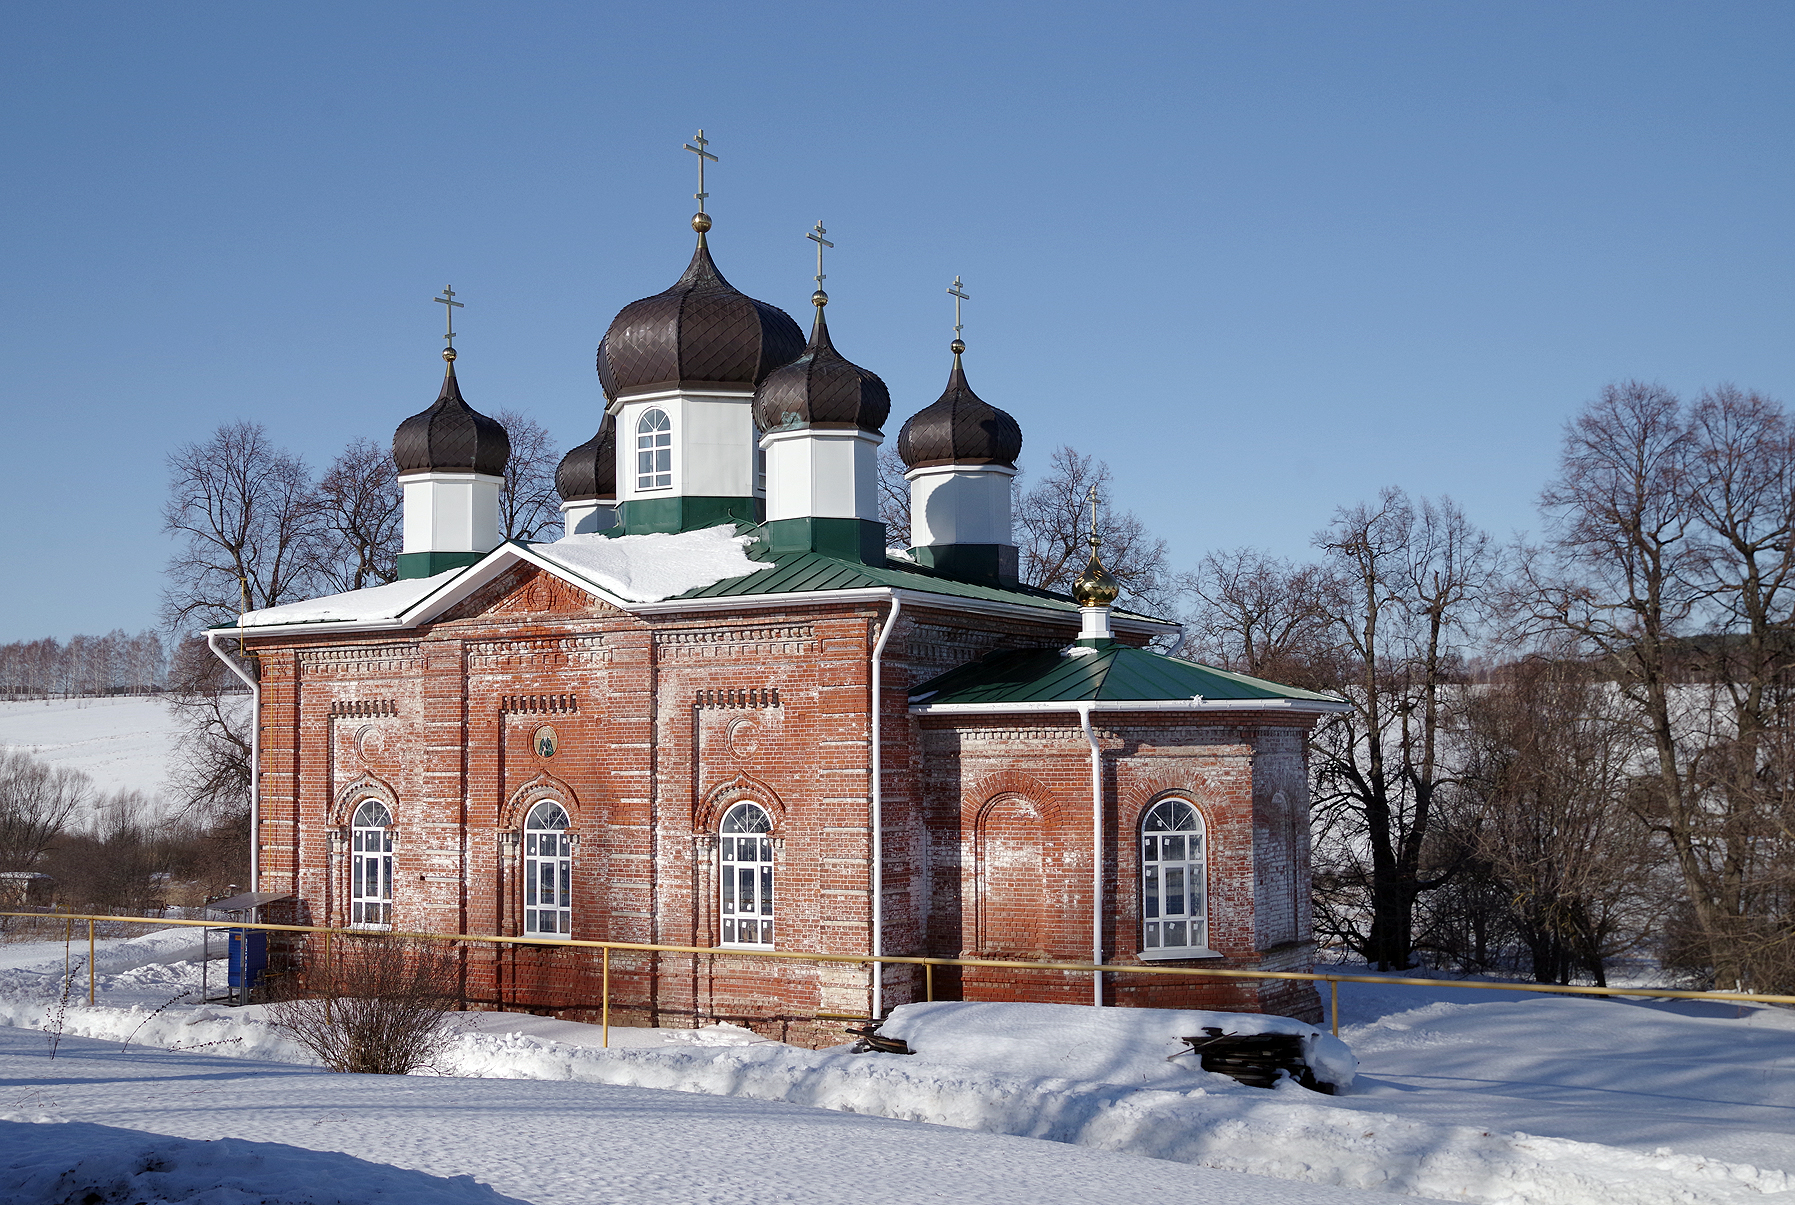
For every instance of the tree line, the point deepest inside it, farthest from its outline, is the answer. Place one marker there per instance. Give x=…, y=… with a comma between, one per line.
x=1563, y=750
x=117, y=663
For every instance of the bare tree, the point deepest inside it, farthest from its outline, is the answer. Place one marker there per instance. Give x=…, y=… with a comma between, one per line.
x=209, y=773
x=1408, y=587
x=1257, y=614
x=528, y=503
x=246, y=518
x=37, y=800
x=360, y=506
x=894, y=496
x=1549, y=765
x=1053, y=522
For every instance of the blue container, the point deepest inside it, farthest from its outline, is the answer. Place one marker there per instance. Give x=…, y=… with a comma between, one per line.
x=249, y=958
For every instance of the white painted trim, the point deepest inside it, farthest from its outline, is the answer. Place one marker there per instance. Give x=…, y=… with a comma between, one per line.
x=1074, y=706
x=616, y=407
x=1175, y=955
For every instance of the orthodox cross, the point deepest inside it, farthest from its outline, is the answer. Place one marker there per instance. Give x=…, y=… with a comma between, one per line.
x=702, y=154
x=448, y=300
x=955, y=291
x=1093, y=497
x=816, y=236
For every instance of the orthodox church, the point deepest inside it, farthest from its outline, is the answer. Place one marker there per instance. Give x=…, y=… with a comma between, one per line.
x=720, y=713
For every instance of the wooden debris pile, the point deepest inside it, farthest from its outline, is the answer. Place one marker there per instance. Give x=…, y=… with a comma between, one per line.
x=872, y=1043
x=1257, y=1060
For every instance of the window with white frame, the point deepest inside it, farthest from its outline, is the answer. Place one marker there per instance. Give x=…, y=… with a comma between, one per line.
x=371, y=864
x=1174, y=910
x=654, y=451
x=548, y=871
x=745, y=874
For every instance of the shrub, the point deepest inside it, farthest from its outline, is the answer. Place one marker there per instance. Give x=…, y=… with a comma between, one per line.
x=378, y=1005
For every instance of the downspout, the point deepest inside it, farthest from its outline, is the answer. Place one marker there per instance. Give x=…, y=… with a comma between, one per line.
x=1090, y=735
x=255, y=758
x=877, y=816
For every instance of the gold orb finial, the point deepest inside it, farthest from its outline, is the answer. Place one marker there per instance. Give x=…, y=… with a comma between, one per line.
x=1095, y=587
x=701, y=221
x=819, y=299
x=449, y=354
x=957, y=346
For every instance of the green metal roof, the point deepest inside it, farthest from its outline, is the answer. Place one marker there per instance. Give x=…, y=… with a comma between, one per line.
x=1109, y=672
x=799, y=572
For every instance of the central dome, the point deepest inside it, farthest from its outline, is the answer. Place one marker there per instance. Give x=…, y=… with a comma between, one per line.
x=701, y=331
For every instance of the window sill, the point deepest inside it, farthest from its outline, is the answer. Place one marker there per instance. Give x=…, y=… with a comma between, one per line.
x=1175, y=955
x=725, y=945
x=365, y=928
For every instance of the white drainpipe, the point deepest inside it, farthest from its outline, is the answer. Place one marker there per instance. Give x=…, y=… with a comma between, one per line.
x=1090, y=735
x=255, y=761
x=877, y=817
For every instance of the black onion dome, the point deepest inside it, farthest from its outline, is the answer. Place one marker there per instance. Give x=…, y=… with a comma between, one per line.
x=821, y=389
x=590, y=470
x=960, y=428
x=701, y=330
x=451, y=436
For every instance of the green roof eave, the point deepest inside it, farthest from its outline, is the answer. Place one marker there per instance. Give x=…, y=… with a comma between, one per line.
x=811, y=572
x=1112, y=674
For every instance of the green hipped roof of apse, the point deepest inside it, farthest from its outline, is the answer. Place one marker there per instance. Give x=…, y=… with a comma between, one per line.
x=1108, y=672
x=799, y=572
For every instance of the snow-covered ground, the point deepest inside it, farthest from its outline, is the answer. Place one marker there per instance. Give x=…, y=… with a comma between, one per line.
x=1459, y=1095
x=121, y=743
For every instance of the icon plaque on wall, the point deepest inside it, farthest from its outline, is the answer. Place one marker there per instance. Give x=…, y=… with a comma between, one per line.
x=546, y=741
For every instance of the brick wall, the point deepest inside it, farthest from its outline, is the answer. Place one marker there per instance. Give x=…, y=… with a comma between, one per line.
x=662, y=724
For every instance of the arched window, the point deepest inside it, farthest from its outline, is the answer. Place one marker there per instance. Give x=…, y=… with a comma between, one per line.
x=548, y=871
x=654, y=451
x=1174, y=909
x=745, y=873
x=371, y=864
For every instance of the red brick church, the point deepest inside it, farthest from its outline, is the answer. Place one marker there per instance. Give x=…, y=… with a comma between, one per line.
x=720, y=712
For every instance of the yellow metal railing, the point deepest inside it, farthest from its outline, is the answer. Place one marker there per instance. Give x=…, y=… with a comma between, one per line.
x=928, y=964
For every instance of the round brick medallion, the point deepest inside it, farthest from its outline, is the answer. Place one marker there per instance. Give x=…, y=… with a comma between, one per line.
x=744, y=737
x=546, y=741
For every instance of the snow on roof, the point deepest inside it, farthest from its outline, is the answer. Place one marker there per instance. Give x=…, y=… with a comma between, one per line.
x=650, y=568
x=376, y=602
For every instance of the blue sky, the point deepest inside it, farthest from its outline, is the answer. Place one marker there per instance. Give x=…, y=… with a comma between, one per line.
x=1263, y=258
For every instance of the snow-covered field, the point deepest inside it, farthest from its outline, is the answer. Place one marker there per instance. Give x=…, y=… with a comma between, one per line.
x=1459, y=1095
x=121, y=743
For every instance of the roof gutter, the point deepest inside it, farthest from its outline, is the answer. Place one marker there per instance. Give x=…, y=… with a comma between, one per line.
x=255, y=758
x=1321, y=706
x=876, y=819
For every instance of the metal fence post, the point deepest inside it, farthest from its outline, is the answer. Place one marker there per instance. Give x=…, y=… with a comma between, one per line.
x=928, y=981
x=1334, y=1004
x=90, y=962
x=605, y=995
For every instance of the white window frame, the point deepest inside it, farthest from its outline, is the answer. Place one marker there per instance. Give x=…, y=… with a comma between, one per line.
x=746, y=828
x=548, y=863
x=371, y=842
x=654, y=450
x=1173, y=856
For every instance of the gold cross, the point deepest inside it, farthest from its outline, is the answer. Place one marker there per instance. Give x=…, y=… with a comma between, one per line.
x=954, y=290
x=448, y=299
x=816, y=236
x=1093, y=497
x=702, y=154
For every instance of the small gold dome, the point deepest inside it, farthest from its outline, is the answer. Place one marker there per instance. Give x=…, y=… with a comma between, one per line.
x=449, y=354
x=701, y=222
x=1095, y=587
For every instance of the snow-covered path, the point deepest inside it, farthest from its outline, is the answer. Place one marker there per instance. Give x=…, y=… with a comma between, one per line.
x=550, y=1143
